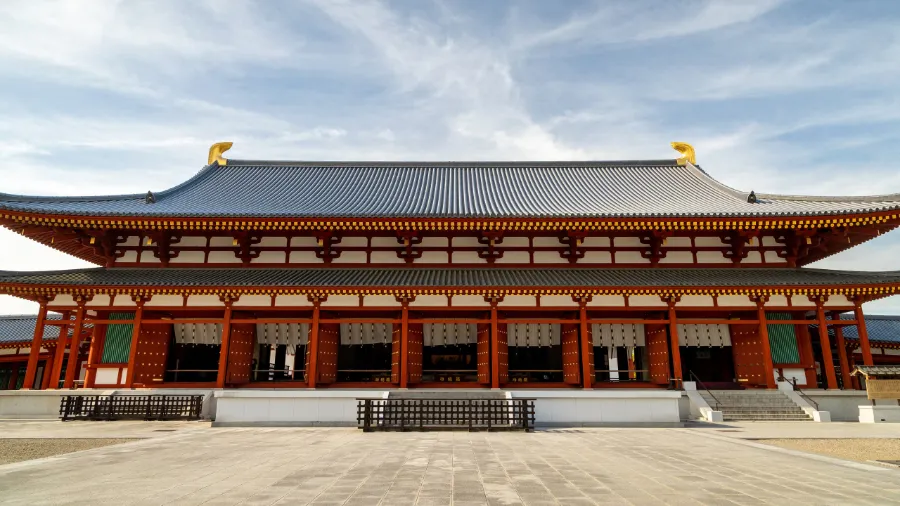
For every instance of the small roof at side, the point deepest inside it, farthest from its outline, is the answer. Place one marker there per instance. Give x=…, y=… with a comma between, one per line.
x=481, y=190
x=20, y=329
x=880, y=328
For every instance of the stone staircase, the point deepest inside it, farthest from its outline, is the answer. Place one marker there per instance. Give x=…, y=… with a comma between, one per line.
x=754, y=406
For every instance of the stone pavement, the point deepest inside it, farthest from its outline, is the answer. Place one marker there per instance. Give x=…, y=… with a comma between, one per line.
x=199, y=465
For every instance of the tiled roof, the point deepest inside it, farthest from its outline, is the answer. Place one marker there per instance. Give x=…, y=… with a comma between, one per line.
x=20, y=328
x=881, y=328
x=479, y=278
x=878, y=370
x=657, y=188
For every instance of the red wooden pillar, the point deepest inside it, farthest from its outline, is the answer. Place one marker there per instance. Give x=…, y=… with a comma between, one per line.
x=313, y=347
x=827, y=357
x=60, y=354
x=14, y=377
x=804, y=343
x=36, y=342
x=404, y=345
x=673, y=336
x=98, y=338
x=226, y=341
x=863, y=332
x=842, y=353
x=135, y=336
x=768, y=366
x=586, y=355
x=495, y=346
x=77, y=328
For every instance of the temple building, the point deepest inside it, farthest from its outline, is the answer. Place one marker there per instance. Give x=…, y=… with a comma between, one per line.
x=569, y=279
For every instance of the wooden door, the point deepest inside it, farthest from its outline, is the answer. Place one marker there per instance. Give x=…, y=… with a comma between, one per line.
x=503, y=352
x=746, y=348
x=326, y=360
x=658, y=351
x=240, y=353
x=396, y=344
x=415, y=347
x=484, y=353
x=152, y=352
x=590, y=358
x=570, y=354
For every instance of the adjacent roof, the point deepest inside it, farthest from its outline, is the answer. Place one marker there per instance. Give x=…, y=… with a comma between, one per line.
x=881, y=329
x=20, y=328
x=877, y=370
x=654, y=188
x=448, y=277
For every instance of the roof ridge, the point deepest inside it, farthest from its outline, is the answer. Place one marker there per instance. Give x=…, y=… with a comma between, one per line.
x=453, y=164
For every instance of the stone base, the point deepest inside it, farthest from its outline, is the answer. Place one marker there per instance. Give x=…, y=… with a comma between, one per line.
x=879, y=414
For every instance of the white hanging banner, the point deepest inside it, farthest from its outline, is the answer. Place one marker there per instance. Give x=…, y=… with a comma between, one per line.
x=704, y=335
x=616, y=335
x=527, y=335
x=198, y=333
x=363, y=334
x=448, y=334
x=290, y=334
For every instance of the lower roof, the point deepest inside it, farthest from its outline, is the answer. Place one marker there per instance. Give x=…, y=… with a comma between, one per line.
x=650, y=279
x=20, y=328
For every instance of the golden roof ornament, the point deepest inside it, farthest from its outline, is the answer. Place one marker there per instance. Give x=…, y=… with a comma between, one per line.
x=687, y=152
x=215, y=153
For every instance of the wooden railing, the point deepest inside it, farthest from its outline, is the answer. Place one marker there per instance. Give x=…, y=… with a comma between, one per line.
x=130, y=407
x=436, y=414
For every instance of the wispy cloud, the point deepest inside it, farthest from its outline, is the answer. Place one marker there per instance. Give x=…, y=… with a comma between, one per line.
x=778, y=96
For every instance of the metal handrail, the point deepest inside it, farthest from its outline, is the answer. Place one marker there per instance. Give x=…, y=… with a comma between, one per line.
x=793, y=382
x=696, y=379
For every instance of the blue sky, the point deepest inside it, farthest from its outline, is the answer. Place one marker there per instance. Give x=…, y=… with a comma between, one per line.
x=102, y=97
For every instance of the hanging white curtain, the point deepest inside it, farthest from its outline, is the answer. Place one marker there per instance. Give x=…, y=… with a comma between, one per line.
x=360, y=334
x=527, y=335
x=198, y=333
x=704, y=335
x=618, y=334
x=449, y=334
x=291, y=334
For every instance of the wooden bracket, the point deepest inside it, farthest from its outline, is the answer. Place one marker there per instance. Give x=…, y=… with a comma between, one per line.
x=490, y=240
x=573, y=251
x=326, y=251
x=409, y=240
x=655, y=242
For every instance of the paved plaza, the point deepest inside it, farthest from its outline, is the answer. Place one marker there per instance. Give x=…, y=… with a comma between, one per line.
x=190, y=463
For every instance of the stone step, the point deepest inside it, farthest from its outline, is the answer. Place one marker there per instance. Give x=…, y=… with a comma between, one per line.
x=446, y=394
x=770, y=418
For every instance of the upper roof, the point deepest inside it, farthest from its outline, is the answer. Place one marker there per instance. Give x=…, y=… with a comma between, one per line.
x=20, y=328
x=258, y=189
x=448, y=277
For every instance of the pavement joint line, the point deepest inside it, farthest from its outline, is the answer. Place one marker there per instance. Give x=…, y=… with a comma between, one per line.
x=786, y=451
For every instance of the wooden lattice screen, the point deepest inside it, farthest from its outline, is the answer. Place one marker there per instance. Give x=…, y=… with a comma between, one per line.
x=570, y=354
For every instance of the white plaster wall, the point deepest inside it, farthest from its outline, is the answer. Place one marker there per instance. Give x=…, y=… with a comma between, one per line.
x=517, y=300
x=269, y=257
x=802, y=301
x=341, y=300
x=305, y=257
x=773, y=258
x=607, y=301
x=294, y=407
x=292, y=300
x=435, y=242
x=385, y=242
x=552, y=242
x=354, y=242
x=62, y=299
x=205, y=300
x=596, y=257
x=596, y=242
x=99, y=300
x=837, y=300
x=305, y=241
x=711, y=257
x=517, y=242
x=548, y=257
x=677, y=257
x=193, y=241
x=711, y=242
x=735, y=301
x=221, y=242
x=842, y=404
x=777, y=301
x=351, y=257
x=107, y=376
x=467, y=257
x=630, y=257
x=628, y=242
x=514, y=257
x=147, y=257
x=129, y=256
x=386, y=257
x=429, y=301
x=44, y=404
x=223, y=257
x=253, y=300
x=8, y=351
x=469, y=301
x=189, y=257
x=381, y=301
x=678, y=242
x=646, y=301
x=433, y=257
x=696, y=300
x=558, y=301
x=123, y=300
x=167, y=300
x=768, y=240
x=466, y=242
x=132, y=240
x=753, y=257
x=274, y=242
